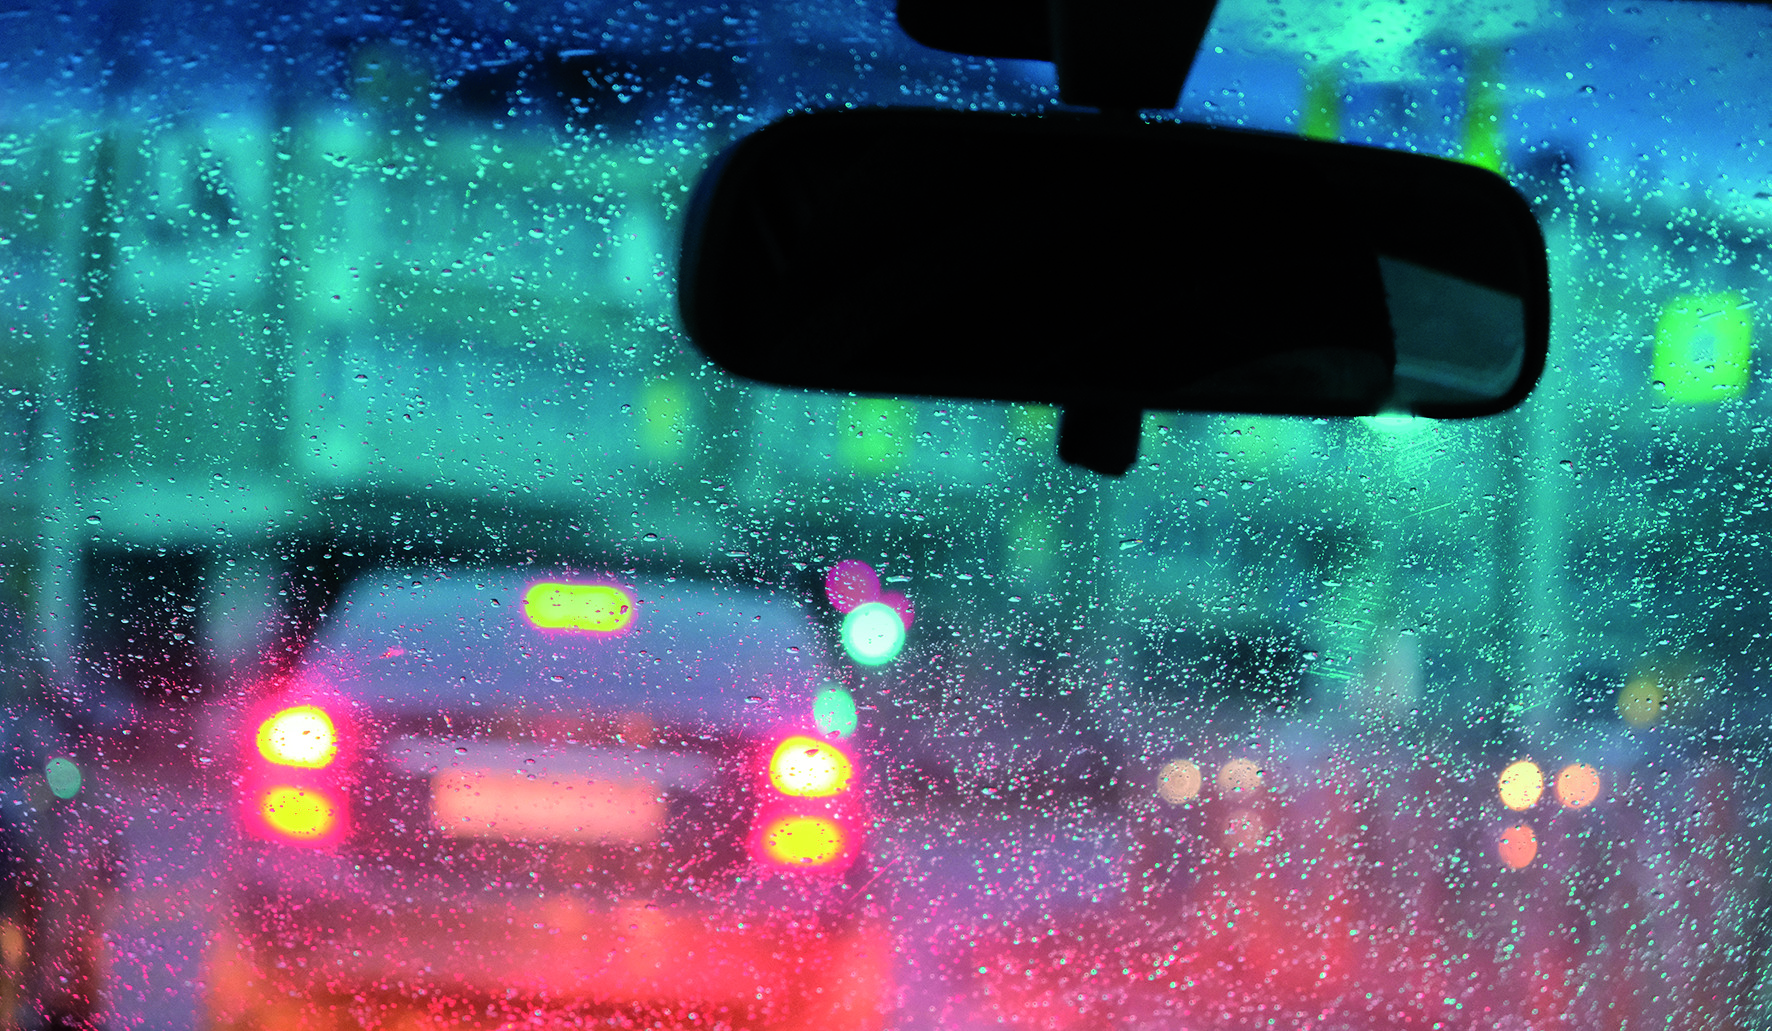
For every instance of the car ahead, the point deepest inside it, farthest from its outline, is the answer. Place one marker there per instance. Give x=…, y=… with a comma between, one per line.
x=497, y=788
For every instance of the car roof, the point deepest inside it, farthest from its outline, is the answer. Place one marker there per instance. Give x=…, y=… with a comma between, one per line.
x=696, y=651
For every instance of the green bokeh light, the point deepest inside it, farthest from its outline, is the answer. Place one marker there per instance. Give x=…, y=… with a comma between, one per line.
x=873, y=633
x=63, y=776
x=834, y=711
x=1704, y=348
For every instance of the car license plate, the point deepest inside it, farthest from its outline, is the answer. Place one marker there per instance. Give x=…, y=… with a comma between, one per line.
x=472, y=803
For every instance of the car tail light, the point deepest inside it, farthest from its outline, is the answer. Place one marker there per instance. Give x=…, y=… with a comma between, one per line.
x=302, y=735
x=295, y=782
x=805, y=767
x=810, y=814
x=803, y=840
x=301, y=813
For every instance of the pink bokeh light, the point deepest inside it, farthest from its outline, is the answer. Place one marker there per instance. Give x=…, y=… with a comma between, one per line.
x=849, y=583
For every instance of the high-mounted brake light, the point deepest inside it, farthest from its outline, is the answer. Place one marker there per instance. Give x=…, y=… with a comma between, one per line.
x=302, y=735
x=806, y=767
x=602, y=609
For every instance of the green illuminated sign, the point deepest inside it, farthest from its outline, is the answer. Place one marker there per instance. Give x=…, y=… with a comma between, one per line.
x=1703, y=348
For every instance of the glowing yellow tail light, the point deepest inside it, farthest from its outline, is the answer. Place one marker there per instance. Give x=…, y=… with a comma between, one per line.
x=809, y=768
x=803, y=841
x=300, y=736
x=300, y=813
x=594, y=608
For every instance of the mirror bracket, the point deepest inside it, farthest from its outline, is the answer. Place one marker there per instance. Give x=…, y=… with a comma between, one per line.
x=1123, y=56
x=1100, y=438
x=1126, y=55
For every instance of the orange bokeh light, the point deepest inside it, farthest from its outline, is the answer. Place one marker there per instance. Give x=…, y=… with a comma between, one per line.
x=1179, y=781
x=1578, y=785
x=1519, y=846
x=1239, y=777
x=1245, y=830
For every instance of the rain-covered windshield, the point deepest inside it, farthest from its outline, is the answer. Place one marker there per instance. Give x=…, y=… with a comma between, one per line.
x=402, y=625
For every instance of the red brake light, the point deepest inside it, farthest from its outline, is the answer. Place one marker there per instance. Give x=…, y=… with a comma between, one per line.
x=302, y=735
x=803, y=840
x=304, y=814
x=809, y=818
x=805, y=767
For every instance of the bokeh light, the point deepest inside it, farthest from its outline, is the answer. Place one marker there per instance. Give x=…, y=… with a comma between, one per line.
x=1641, y=701
x=833, y=710
x=1578, y=784
x=300, y=813
x=1521, y=785
x=849, y=583
x=603, y=609
x=901, y=605
x=873, y=633
x=63, y=775
x=1245, y=830
x=1178, y=781
x=1518, y=847
x=1239, y=777
x=809, y=768
x=803, y=840
x=302, y=735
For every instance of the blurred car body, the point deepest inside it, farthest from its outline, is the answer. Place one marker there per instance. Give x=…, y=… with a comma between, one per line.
x=492, y=787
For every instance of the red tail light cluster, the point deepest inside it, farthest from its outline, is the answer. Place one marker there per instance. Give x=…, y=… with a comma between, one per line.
x=293, y=790
x=810, y=816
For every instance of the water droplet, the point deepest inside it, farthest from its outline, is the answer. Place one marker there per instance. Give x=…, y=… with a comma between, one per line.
x=362, y=377
x=1566, y=465
x=1658, y=386
x=650, y=537
x=755, y=699
x=461, y=749
x=93, y=520
x=1128, y=545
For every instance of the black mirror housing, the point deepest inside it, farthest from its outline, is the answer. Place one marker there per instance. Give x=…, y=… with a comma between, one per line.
x=1113, y=264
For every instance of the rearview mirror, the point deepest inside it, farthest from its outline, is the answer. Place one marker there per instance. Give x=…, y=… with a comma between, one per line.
x=1113, y=266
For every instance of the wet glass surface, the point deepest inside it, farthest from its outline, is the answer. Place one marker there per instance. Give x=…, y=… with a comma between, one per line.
x=404, y=627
